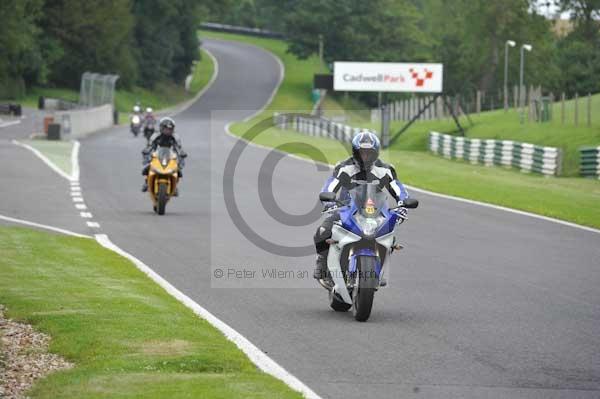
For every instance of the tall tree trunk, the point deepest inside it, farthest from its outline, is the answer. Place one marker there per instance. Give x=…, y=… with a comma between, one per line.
x=490, y=69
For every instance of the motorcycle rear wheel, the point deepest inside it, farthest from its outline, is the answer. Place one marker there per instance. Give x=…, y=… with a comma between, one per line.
x=161, y=198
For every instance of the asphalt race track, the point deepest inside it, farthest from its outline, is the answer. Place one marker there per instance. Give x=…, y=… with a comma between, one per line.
x=482, y=303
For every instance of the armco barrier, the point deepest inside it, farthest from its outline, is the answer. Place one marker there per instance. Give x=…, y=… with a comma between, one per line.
x=79, y=123
x=590, y=161
x=315, y=126
x=241, y=30
x=524, y=156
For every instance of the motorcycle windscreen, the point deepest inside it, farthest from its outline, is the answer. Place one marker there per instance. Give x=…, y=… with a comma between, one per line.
x=164, y=155
x=368, y=199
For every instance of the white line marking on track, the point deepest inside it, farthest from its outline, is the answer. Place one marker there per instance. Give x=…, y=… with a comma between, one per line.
x=81, y=207
x=77, y=199
x=7, y=124
x=76, y=194
x=41, y=156
x=95, y=225
x=75, y=161
x=258, y=357
x=86, y=215
x=43, y=226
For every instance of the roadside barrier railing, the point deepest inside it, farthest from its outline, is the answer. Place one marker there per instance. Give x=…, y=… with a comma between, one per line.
x=589, y=162
x=240, y=30
x=315, y=126
x=524, y=156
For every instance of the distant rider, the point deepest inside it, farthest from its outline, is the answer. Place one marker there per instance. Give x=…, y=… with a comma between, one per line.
x=364, y=164
x=165, y=137
x=148, y=123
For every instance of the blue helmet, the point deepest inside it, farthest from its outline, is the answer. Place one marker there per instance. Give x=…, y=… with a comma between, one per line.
x=365, y=149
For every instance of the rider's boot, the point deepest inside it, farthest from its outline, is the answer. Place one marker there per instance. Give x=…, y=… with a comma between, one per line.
x=321, y=273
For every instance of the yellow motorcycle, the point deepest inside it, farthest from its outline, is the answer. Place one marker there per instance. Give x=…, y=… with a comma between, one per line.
x=163, y=177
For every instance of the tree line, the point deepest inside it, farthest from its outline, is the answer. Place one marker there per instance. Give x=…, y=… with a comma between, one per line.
x=52, y=42
x=467, y=36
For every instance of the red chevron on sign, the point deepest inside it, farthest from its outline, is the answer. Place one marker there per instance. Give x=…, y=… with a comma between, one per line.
x=420, y=78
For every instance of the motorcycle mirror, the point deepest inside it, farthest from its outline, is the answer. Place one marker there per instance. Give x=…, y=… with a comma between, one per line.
x=327, y=197
x=410, y=203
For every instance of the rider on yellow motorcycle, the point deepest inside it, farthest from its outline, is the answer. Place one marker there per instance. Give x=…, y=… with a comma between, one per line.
x=165, y=137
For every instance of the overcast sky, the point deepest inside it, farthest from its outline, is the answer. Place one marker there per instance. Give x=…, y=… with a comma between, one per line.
x=551, y=10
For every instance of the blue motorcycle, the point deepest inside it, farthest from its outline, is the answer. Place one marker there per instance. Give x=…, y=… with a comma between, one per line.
x=360, y=245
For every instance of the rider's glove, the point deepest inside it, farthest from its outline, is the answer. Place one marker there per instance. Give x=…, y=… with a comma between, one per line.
x=183, y=154
x=146, y=151
x=328, y=205
x=402, y=213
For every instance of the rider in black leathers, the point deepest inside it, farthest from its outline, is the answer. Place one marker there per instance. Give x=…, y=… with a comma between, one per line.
x=363, y=165
x=165, y=137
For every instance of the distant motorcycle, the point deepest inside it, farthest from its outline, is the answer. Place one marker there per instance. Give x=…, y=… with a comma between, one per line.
x=360, y=245
x=149, y=128
x=136, y=124
x=163, y=177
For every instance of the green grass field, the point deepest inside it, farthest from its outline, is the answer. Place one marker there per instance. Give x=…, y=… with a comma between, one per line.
x=126, y=336
x=568, y=198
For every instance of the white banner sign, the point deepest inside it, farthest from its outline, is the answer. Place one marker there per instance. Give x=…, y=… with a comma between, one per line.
x=387, y=76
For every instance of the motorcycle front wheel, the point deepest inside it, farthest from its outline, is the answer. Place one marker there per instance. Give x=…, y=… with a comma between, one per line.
x=161, y=198
x=365, y=287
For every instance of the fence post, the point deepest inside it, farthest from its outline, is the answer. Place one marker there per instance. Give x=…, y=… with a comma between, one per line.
x=515, y=96
x=576, y=109
x=562, y=108
x=589, y=110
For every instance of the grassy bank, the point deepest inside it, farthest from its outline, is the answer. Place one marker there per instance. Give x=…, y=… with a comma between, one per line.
x=573, y=199
x=163, y=96
x=506, y=126
x=126, y=336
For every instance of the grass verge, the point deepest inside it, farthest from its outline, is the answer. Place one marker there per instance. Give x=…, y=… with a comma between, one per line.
x=126, y=336
x=59, y=152
x=573, y=199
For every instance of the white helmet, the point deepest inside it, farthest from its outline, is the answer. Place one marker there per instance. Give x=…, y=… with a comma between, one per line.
x=149, y=110
x=136, y=108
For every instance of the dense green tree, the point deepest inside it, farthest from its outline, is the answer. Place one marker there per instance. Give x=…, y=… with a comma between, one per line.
x=165, y=34
x=379, y=30
x=95, y=35
x=586, y=14
x=470, y=35
x=24, y=53
x=579, y=52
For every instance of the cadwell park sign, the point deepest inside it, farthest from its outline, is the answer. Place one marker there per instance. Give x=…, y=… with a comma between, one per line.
x=388, y=77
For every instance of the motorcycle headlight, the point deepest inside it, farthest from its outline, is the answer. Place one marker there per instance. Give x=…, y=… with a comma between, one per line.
x=136, y=119
x=369, y=226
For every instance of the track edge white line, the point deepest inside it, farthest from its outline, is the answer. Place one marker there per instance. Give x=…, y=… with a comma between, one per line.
x=44, y=159
x=43, y=226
